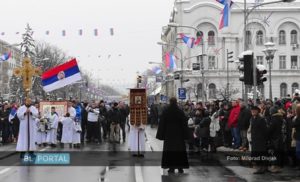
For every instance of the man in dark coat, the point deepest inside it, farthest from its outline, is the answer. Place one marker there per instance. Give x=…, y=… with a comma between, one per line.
x=123, y=116
x=84, y=115
x=173, y=130
x=276, y=138
x=153, y=115
x=258, y=139
x=4, y=115
x=243, y=125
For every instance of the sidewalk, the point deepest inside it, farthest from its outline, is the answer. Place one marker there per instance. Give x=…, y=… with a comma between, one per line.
x=244, y=170
x=7, y=150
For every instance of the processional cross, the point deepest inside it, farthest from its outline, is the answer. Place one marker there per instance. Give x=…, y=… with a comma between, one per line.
x=27, y=72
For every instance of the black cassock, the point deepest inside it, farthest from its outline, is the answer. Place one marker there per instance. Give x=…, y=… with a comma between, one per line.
x=259, y=136
x=173, y=130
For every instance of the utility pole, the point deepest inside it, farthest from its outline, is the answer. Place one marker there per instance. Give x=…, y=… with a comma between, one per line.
x=229, y=56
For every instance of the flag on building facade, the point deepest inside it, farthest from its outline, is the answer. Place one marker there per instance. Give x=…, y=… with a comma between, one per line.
x=189, y=41
x=224, y=22
x=170, y=61
x=5, y=56
x=156, y=70
x=61, y=76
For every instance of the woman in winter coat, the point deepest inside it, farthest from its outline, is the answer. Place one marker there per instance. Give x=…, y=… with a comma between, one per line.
x=202, y=131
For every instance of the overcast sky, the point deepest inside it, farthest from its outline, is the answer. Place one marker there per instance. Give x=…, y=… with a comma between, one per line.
x=136, y=23
x=137, y=28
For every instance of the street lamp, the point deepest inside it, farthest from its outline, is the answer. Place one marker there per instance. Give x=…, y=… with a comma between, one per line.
x=269, y=52
x=247, y=12
x=153, y=62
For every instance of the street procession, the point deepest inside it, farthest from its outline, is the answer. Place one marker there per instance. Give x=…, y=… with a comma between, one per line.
x=197, y=90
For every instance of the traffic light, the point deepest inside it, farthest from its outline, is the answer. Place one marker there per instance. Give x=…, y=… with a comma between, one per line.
x=246, y=67
x=260, y=71
x=139, y=79
x=176, y=76
x=229, y=55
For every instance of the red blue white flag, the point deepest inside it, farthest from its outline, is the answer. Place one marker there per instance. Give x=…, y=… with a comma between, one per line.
x=5, y=56
x=61, y=76
x=189, y=41
x=225, y=13
x=170, y=61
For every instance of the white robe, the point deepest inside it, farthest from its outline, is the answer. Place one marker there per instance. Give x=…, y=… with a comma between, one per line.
x=52, y=133
x=67, y=130
x=72, y=112
x=23, y=144
x=40, y=137
x=76, y=135
x=137, y=138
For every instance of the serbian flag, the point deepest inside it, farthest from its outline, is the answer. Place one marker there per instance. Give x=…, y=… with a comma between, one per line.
x=170, y=61
x=12, y=113
x=225, y=13
x=5, y=56
x=156, y=70
x=189, y=41
x=61, y=76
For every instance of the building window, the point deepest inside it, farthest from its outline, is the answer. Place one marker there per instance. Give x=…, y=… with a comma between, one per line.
x=259, y=38
x=294, y=87
x=211, y=38
x=259, y=60
x=212, y=91
x=282, y=62
x=200, y=60
x=211, y=62
x=294, y=62
x=199, y=90
x=248, y=37
x=200, y=34
x=294, y=37
x=283, y=90
x=282, y=37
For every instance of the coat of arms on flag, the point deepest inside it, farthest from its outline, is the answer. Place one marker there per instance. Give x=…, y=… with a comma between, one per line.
x=61, y=76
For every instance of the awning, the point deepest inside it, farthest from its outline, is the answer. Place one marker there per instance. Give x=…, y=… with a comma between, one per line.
x=156, y=91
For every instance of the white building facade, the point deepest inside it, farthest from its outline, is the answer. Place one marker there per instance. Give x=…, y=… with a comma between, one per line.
x=6, y=68
x=278, y=23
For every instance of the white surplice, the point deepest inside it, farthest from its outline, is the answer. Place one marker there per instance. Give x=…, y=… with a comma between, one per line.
x=67, y=130
x=23, y=144
x=137, y=138
x=52, y=132
x=40, y=133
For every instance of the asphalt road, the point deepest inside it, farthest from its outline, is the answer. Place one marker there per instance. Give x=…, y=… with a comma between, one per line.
x=135, y=171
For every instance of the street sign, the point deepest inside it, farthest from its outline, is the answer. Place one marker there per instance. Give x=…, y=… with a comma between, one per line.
x=196, y=66
x=182, y=93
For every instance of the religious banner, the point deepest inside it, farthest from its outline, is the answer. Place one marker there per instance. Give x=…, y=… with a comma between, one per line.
x=138, y=107
x=60, y=107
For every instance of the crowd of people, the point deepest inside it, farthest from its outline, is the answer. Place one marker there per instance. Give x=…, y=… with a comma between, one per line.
x=264, y=128
x=84, y=122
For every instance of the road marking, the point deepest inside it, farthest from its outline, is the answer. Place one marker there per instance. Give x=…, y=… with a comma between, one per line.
x=44, y=149
x=5, y=170
x=161, y=171
x=138, y=174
